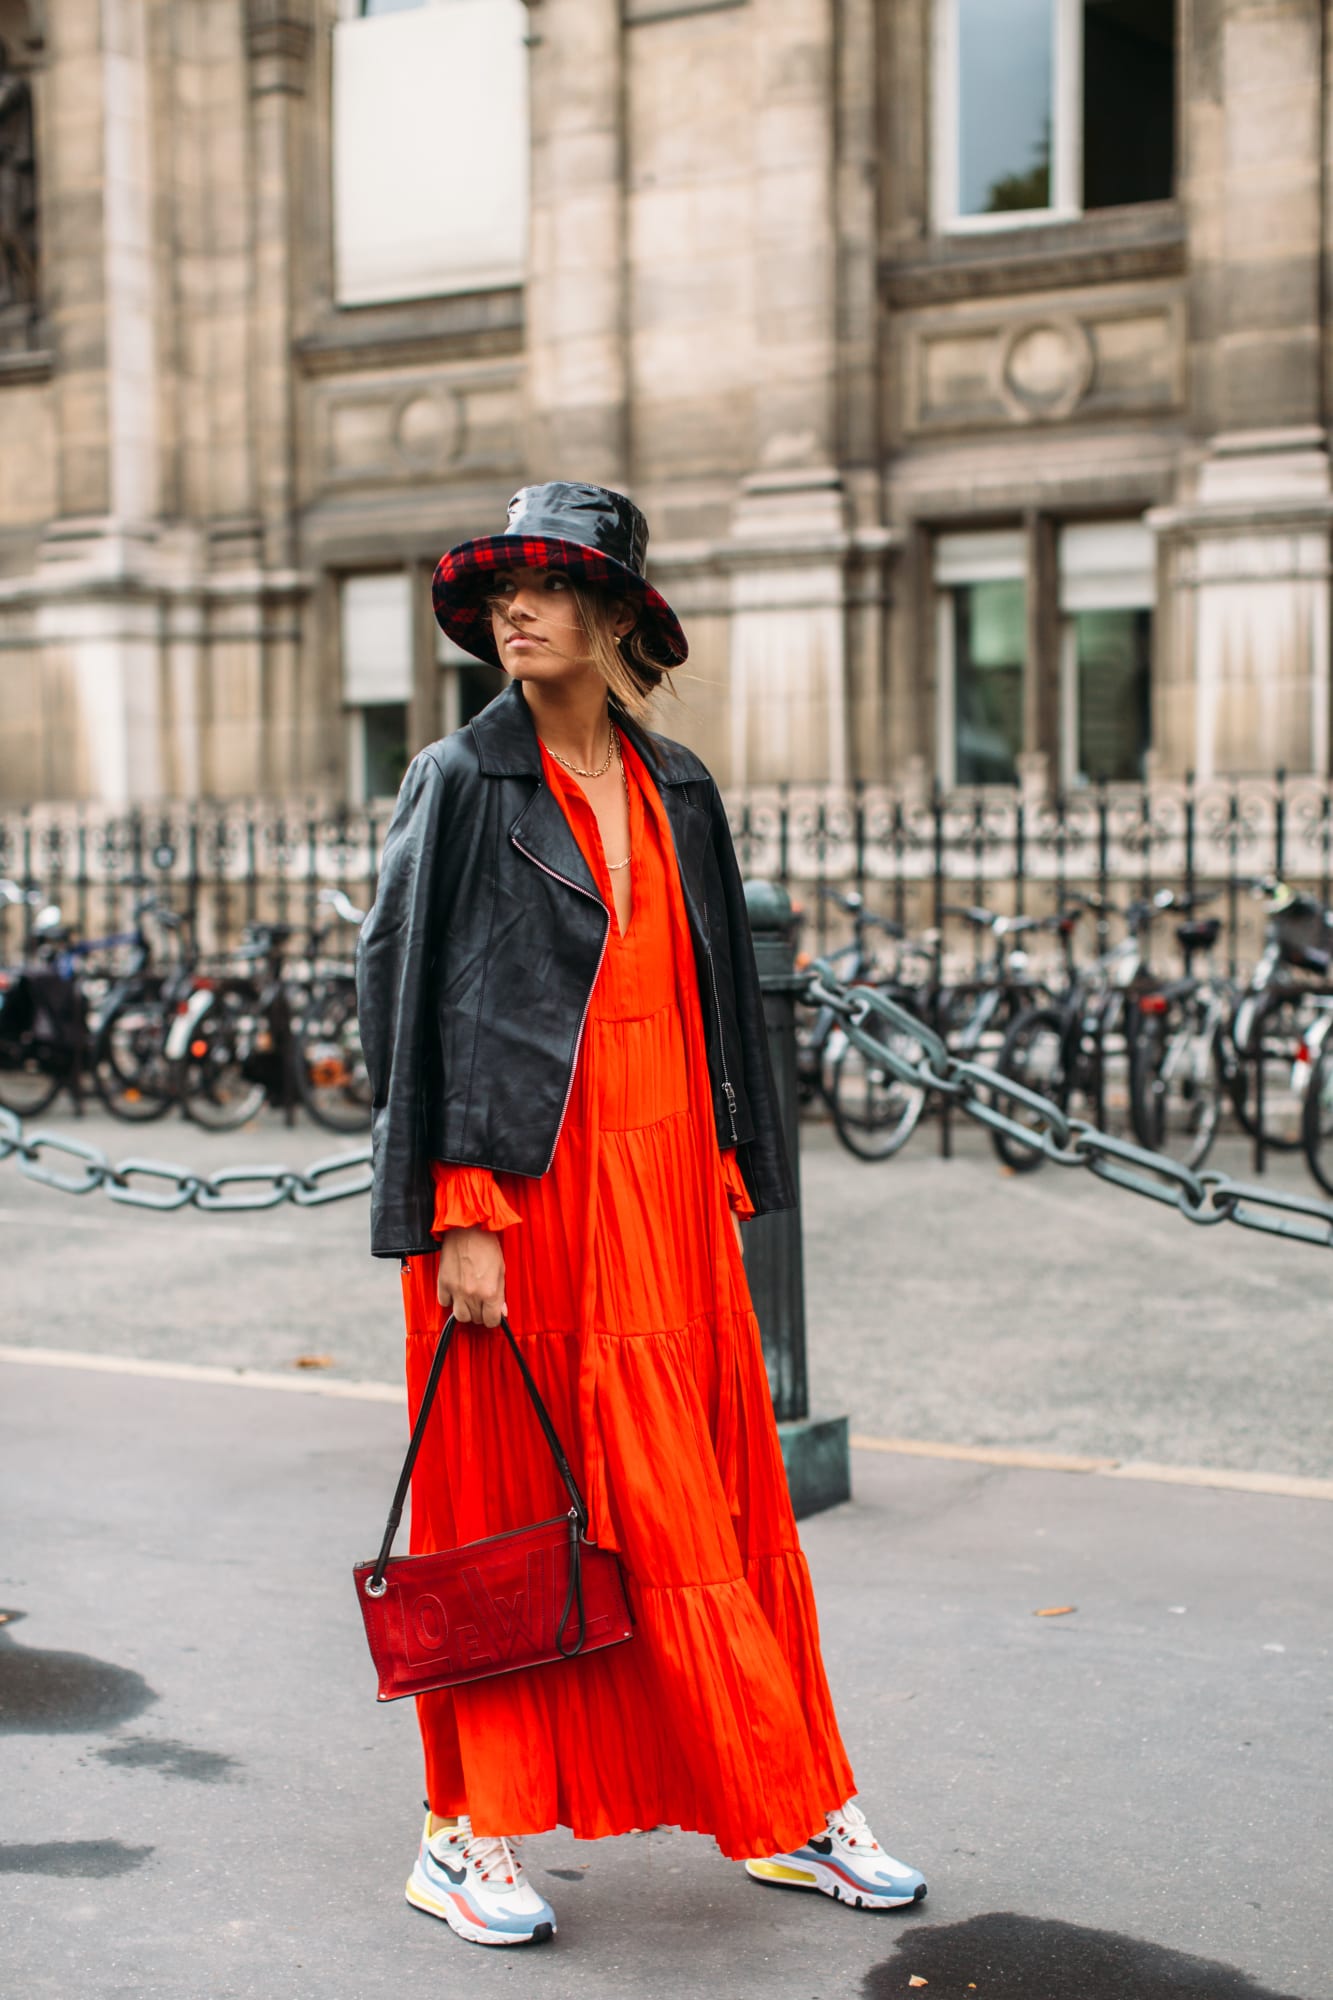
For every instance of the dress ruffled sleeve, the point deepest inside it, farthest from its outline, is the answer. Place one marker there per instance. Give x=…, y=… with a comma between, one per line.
x=734, y=1181
x=469, y=1198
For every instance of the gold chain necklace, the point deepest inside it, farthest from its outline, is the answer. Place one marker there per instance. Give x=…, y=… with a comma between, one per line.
x=612, y=750
x=578, y=769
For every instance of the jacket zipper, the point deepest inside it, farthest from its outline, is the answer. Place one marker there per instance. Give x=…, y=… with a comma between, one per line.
x=727, y=1090
x=583, y=1018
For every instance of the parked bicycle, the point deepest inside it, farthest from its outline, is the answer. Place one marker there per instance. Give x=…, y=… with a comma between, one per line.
x=43, y=1018
x=242, y=1040
x=1183, y=1064
x=874, y=1114
x=1276, y=1015
x=1066, y=1046
x=129, y=1062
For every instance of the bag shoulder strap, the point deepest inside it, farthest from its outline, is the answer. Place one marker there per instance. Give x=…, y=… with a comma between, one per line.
x=577, y=1505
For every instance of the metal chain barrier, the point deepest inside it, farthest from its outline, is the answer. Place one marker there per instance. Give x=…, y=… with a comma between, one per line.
x=904, y=1046
x=334, y=1179
x=917, y=1056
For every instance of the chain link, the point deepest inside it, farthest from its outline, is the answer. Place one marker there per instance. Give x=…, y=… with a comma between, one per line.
x=229, y=1191
x=907, y=1048
x=912, y=1052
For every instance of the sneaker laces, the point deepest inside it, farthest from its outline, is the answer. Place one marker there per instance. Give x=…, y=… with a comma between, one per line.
x=850, y=1825
x=494, y=1855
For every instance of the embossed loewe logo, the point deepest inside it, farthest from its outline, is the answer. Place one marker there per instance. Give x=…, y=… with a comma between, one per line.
x=464, y=1623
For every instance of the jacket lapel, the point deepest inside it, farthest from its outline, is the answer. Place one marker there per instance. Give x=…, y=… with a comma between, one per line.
x=542, y=832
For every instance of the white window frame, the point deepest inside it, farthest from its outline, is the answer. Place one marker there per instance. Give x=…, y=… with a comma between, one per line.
x=991, y=555
x=1113, y=569
x=430, y=194
x=375, y=649
x=1066, y=127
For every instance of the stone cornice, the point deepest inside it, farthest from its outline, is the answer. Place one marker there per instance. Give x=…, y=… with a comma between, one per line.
x=1112, y=246
x=35, y=364
x=346, y=339
x=635, y=12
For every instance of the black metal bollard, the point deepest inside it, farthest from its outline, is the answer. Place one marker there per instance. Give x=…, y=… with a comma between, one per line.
x=814, y=1449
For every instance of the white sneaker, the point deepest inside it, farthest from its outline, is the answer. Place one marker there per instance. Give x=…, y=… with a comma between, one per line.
x=476, y=1883
x=845, y=1862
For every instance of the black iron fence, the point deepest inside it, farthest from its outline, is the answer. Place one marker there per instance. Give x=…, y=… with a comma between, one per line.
x=219, y=865
x=911, y=855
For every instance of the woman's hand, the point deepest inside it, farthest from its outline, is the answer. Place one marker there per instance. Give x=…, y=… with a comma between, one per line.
x=736, y=1225
x=471, y=1284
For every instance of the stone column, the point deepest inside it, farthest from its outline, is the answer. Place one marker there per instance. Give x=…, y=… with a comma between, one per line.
x=277, y=44
x=790, y=530
x=93, y=613
x=577, y=374
x=1245, y=677
x=278, y=36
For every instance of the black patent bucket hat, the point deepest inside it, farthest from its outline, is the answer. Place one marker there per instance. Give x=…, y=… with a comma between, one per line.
x=597, y=535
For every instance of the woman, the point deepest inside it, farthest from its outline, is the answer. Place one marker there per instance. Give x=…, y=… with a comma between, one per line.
x=565, y=1037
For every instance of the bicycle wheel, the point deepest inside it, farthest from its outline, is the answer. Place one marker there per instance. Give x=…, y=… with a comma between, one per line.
x=1278, y=1020
x=1317, y=1119
x=874, y=1112
x=131, y=1071
x=1032, y=1054
x=1176, y=1086
x=27, y=1084
x=221, y=1080
x=331, y=1077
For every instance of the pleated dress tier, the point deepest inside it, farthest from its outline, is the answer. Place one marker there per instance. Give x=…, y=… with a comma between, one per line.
x=627, y=1291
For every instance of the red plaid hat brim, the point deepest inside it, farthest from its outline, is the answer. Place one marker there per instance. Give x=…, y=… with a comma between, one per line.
x=462, y=588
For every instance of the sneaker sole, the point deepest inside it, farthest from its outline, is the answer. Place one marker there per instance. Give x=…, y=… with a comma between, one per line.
x=812, y=1875
x=463, y=1927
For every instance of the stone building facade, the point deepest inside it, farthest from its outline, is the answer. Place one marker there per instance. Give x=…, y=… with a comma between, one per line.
x=970, y=359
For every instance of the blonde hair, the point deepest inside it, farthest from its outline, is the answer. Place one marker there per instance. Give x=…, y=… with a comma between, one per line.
x=626, y=663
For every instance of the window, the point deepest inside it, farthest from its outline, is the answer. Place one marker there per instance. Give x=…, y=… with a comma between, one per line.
x=1048, y=108
x=383, y=746
x=430, y=148
x=1095, y=694
x=1106, y=597
x=982, y=649
x=377, y=680
x=466, y=685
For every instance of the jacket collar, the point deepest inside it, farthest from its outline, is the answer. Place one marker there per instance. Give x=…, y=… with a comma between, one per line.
x=506, y=739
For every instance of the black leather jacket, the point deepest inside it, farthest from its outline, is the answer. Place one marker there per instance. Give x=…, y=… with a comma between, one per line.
x=477, y=963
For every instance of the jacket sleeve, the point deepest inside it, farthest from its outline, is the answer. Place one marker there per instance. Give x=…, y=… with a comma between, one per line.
x=393, y=964
x=763, y=1161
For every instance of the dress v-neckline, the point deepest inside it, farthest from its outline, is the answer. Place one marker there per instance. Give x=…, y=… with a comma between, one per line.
x=568, y=790
x=632, y=802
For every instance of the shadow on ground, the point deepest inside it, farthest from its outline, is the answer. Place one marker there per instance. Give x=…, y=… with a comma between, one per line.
x=82, y=1858
x=1005, y=1957
x=43, y=1692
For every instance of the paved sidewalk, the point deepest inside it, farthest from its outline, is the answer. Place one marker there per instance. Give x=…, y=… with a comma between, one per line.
x=202, y=1800
x=945, y=1300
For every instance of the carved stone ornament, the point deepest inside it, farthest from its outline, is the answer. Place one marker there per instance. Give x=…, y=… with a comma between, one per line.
x=1045, y=368
x=278, y=35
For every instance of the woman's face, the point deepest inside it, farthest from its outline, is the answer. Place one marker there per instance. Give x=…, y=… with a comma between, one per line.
x=538, y=632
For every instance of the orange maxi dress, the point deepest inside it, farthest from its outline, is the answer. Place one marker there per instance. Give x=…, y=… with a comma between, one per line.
x=627, y=1291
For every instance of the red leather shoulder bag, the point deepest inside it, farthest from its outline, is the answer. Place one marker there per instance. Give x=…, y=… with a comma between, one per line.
x=525, y=1598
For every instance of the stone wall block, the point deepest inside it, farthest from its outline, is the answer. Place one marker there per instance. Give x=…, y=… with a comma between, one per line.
x=1268, y=377
x=1263, y=223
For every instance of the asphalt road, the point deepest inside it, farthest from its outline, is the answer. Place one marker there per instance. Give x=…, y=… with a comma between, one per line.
x=202, y=1801
x=946, y=1300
